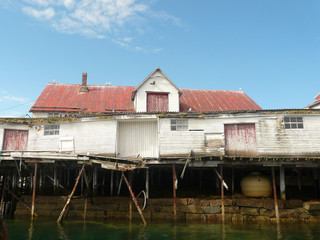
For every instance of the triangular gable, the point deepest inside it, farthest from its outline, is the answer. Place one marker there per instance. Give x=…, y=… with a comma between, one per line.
x=149, y=76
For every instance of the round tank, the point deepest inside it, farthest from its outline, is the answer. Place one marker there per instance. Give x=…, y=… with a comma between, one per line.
x=256, y=185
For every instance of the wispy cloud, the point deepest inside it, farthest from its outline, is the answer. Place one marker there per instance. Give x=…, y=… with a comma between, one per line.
x=117, y=20
x=14, y=99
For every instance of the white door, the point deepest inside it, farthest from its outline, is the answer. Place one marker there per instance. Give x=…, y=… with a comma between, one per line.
x=137, y=139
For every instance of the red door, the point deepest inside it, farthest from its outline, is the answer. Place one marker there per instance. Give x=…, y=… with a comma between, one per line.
x=15, y=140
x=240, y=139
x=157, y=102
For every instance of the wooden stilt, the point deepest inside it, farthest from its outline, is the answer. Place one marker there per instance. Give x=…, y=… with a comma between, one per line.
x=23, y=203
x=147, y=183
x=111, y=183
x=85, y=207
x=81, y=185
x=275, y=196
x=130, y=202
x=34, y=189
x=87, y=185
x=95, y=181
x=103, y=183
x=71, y=195
x=232, y=184
x=134, y=200
x=4, y=183
x=174, y=186
x=55, y=181
x=282, y=183
x=299, y=180
x=222, y=195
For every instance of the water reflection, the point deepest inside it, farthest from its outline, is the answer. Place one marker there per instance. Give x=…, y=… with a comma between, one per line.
x=83, y=230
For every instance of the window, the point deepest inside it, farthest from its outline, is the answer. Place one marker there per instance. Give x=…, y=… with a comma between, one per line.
x=53, y=114
x=293, y=122
x=179, y=124
x=51, y=129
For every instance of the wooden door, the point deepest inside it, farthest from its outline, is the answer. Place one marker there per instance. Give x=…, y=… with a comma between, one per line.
x=15, y=140
x=157, y=102
x=240, y=139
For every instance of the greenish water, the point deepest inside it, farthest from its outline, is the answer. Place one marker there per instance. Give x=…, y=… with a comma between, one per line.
x=80, y=230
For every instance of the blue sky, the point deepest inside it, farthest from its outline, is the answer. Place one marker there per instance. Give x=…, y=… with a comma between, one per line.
x=269, y=49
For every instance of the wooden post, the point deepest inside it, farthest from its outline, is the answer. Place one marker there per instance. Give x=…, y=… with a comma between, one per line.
x=95, y=180
x=275, y=196
x=84, y=176
x=16, y=197
x=134, y=200
x=103, y=182
x=4, y=182
x=111, y=183
x=85, y=207
x=34, y=189
x=130, y=201
x=147, y=183
x=174, y=185
x=222, y=195
x=282, y=183
x=55, y=181
x=232, y=181
x=71, y=195
x=299, y=180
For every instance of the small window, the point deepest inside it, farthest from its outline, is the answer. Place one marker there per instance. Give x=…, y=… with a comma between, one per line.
x=51, y=130
x=179, y=124
x=293, y=122
x=53, y=114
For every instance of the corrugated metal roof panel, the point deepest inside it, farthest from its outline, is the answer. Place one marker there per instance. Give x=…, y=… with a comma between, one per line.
x=214, y=100
x=100, y=99
x=317, y=97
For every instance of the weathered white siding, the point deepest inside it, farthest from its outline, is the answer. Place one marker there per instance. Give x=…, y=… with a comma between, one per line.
x=93, y=136
x=161, y=84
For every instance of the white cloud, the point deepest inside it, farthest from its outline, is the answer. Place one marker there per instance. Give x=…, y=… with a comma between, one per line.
x=117, y=20
x=46, y=14
x=14, y=99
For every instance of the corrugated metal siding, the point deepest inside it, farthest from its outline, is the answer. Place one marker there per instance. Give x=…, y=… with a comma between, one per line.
x=100, y=99
x=157, y=102
x=15, y=140
x=138, y=138
x=240, y=139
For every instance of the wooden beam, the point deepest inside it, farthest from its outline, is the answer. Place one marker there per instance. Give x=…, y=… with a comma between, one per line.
x=71, y=195
x=147, y=183
x=134, y=200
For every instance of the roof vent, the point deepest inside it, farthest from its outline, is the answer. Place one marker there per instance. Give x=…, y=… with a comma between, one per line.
x=84, y=87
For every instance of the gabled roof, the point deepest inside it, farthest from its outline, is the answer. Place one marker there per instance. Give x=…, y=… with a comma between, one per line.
x=314, y=104
x=100, y=99
x=146, y=79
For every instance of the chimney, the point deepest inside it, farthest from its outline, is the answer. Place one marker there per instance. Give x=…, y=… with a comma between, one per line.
x=84, y=87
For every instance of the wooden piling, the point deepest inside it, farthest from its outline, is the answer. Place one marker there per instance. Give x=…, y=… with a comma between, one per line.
x=71, y=195
x=111, y=183
x=130, y=201
x=147, y=183
x=276, y=208
x=85, y=207
x=23, y=203
x=174, y=181
x=134, y=200
x=4, y=182
x=282, y=183
x=222, y=195
x=34, y=189
x=232, y=184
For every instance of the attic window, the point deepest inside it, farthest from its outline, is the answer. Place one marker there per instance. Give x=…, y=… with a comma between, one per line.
x=51, y=130
x=53, y=114
x=293, y=122
x=179, y=124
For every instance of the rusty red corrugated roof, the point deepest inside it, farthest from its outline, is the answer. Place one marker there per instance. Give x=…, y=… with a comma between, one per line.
x=100, y=99
x=317, y=97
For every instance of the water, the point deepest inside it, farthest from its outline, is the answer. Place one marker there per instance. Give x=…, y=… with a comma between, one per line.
x=80, y=230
